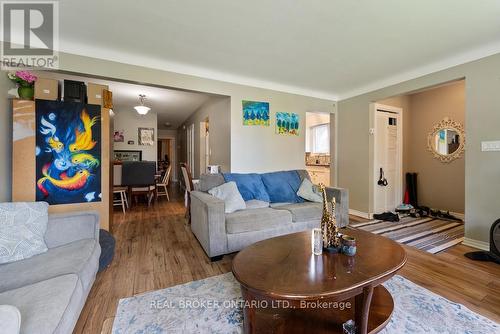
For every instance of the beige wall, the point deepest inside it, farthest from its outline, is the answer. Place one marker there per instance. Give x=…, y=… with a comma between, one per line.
x=440, y=185
x=130, y=121
x=256, y=149
x=482, y=118
x=218, y=112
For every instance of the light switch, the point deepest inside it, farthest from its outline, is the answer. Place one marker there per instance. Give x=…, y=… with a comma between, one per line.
x=489, y=146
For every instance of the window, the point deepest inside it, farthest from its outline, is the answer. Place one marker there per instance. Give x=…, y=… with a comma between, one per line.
x=321, y=138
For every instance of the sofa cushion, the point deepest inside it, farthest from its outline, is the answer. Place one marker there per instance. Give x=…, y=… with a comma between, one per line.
x=22, y=227
x=256, y=220
x=249, y=185
x=301, y=212
x=47, y=307
x=209, y=181
x=79, y=257
x=256, y=204
x=282, y=186
x=228, y=192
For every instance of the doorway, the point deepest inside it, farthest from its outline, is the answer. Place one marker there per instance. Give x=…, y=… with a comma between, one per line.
x=388, y=157
x=317, y=150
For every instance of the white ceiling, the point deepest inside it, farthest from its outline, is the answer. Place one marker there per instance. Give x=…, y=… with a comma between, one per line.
x=173, y=106
x=330, y=48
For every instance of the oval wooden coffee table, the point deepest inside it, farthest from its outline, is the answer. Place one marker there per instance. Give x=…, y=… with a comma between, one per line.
x=287, y=289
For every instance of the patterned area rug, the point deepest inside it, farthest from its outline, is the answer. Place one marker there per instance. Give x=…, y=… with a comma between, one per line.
x=212, y=306
x=430, y=234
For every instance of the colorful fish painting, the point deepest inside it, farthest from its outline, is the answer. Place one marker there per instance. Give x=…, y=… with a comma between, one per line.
x=68, y=150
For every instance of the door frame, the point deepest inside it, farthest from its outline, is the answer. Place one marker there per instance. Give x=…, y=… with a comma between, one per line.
x=173, y=158
x=374, y=108
x=190, y=153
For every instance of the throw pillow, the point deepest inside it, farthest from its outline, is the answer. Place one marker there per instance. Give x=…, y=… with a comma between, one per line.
x=10, y=318
x=282, y=186
x=228, y=192
x=22, y=230
x=249, y=185
x=310, y=192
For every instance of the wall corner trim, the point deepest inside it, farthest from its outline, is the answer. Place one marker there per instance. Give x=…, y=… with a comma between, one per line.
x=476, y=244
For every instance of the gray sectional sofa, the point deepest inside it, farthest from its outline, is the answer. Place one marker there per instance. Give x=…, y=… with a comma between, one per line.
x=50, y=289
x=222, y=233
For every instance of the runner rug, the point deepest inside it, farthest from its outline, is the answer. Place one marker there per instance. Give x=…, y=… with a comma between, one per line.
x=429, y=234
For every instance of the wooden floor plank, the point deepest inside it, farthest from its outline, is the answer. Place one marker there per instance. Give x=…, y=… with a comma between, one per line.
x=155, y=249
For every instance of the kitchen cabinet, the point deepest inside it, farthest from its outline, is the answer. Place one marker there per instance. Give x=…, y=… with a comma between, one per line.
x=319, y=174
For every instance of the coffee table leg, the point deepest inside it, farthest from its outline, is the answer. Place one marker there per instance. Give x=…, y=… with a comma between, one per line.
x=362, y=309
x=248, y=312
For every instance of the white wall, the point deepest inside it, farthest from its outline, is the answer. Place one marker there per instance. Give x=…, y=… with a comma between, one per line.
x=130, y=121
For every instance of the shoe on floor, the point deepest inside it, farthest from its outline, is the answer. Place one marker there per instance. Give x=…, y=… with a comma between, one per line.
x=387, y=217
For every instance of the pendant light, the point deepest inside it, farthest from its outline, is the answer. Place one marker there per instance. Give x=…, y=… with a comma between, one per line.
x=142, y=109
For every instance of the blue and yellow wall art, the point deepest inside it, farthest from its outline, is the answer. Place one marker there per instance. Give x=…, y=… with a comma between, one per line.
x=255, y=113
x=68, y=152
x=287, y=123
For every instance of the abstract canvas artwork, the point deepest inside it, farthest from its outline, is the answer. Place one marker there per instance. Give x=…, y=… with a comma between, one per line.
x=255, y=113
x=146, y=136
x=287, y=123
x=68, y=152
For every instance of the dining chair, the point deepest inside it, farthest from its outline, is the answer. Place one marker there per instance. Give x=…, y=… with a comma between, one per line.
x=188, y=183
x=139, y=177
x=119, y=192
x=162, y=187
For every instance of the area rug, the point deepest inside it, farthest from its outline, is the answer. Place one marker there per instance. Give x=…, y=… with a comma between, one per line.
x=429, y=234
x=212, y=306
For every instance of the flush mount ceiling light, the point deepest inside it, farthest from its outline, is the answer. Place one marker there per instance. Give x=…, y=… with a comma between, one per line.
x=142, y=109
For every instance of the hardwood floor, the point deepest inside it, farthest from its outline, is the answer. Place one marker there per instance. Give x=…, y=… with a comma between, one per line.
x=156, y=250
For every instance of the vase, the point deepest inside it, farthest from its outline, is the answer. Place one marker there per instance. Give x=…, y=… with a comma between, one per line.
x=348, y=245
x=26, y=92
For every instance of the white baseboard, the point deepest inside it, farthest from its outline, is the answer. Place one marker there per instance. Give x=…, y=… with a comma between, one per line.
x=458, y=215
x=476, y=244
x=360, y=214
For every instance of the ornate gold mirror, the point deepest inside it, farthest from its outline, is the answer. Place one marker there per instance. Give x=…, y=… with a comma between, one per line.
x=446, y=141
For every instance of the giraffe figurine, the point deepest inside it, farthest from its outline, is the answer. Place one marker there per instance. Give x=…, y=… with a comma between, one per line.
x=329, y=226
x=325, y=218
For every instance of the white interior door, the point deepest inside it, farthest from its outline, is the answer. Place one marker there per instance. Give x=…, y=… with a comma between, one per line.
x=388, y=157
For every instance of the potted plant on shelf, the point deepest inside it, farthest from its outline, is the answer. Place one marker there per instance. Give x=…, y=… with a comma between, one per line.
x=26, y=84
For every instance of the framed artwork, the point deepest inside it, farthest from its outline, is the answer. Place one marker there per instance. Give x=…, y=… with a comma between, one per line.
x=118, y=136
x=287, y=123
x=68, y=152
x=107, y=99
x=146, y=136
x=255, y=113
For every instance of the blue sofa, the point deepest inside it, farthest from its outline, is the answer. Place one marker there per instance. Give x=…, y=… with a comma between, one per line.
x=273, y=209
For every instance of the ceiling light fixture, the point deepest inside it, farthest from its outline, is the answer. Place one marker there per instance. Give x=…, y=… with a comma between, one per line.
x=142, y=109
